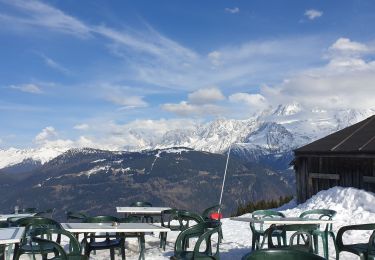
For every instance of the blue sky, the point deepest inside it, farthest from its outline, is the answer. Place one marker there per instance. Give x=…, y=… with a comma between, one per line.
x=88, y=71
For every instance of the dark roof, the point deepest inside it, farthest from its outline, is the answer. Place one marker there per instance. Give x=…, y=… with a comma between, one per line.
x=358, y=138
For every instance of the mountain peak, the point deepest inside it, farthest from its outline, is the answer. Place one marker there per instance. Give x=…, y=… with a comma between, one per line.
x=288, y=109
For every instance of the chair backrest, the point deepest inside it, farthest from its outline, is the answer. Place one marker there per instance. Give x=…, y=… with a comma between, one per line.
x=321, y=214
x=267, y=213
x=188, y=218
x=303, y=231
x=204, y=232
x=281, y=254
x=207, y=212
x=71, y=215
x=29, y=210
x=74, y=246
x=141, y=204
x=264, y=214
x=169, y=219
x=34, y=222
x=101, y=219
x=131, y=219
x=4, y=224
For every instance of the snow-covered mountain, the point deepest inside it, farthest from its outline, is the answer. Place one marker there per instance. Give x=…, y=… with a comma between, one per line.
x=272, y=131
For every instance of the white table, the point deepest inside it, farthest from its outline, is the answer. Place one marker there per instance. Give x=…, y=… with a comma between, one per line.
x=11, y=235
x=120, y=228
x=4, y=217
x=108, y=227
x=141, y=210
x=283, y=221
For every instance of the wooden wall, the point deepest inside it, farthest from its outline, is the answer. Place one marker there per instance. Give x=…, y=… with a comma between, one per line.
x=316, y=173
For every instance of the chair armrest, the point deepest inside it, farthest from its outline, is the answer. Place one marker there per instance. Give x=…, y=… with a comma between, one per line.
x=206, y=237
x=342, y=230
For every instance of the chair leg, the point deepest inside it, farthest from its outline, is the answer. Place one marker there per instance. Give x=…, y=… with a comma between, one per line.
x=112, y=253
x=316, y=244
x=334, y=239
x=253, y=243
x=142, y=251
x=325, y=245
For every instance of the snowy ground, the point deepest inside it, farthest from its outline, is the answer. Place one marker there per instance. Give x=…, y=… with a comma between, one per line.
x=353, y=206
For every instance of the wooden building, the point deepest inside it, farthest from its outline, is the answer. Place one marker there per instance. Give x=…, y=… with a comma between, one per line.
x=345, y=158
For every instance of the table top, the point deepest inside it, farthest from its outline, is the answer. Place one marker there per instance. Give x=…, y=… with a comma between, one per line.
x=282, y=221
x=108, y=227
x=11, y=235
x=141, y=210
x=4, y=217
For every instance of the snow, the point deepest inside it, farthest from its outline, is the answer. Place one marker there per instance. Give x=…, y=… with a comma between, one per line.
x=353, y=206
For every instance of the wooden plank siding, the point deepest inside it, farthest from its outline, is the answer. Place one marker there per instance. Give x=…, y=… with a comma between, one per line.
x=314, y=174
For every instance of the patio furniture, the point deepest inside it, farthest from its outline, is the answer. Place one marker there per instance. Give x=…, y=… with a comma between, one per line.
x=8, y=237
x=363, y=250
x=166, y=219
x=30, y=224
x=110, y=228
x=39, y=243
x=143, y=212
x=323, y=233
x=204, y=232
x=139, y=235
x=143, y=204
x=304, y=230
x=111, y=241
x=280, y=254
x=206, y=214
x=259, y=231
x=75, y=216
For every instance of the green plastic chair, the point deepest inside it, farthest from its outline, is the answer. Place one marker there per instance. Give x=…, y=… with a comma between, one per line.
x=204, y=232
x=207, y=212
x=281, y=254
x=76, y=216
x=40, y=244
x=327, y=214
x=363, y=250
x=2, y=252
x=166, y=219
x=258, y=232
x=146, y=218
x=30, y=224
x=111, y=241
x=299, y=230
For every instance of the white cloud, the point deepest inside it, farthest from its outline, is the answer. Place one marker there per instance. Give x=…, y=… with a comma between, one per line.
x=127, y=101
x=54, y=65
x=81, y=127
x=29, y=88
x=233, y=10
x=344, y=82
x=205, y=96
x=256, y=101
x=313, y=14
x=35, y=13
x=345, y=45
x=45, y=135
x=185, y=109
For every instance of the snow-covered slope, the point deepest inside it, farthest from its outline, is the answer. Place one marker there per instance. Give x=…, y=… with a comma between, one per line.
x=14, y=156
x=353, y=206
x=272, y=131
